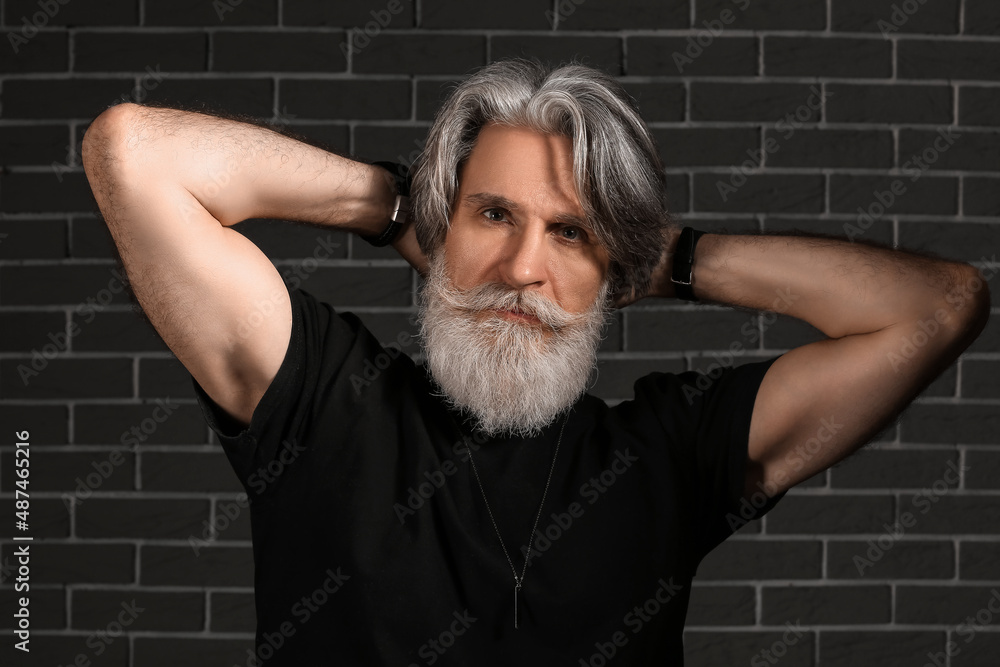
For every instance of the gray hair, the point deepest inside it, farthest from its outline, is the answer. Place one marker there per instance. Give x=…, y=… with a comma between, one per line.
x=616, y=167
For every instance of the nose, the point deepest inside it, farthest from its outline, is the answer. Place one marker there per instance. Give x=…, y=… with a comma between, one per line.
x=525, y=257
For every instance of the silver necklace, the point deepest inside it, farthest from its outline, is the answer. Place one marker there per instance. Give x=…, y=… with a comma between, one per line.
x=524, y=570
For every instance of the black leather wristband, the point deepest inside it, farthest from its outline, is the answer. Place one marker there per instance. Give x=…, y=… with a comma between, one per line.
x=401, y=208
x=682, y=271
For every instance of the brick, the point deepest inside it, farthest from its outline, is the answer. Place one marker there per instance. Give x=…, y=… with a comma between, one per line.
x=984, y=469
x=764, y=102
x=841, y=649
x=135, y=51
x=207, y=472
x=600, y=52
x=62, y=98
x=765, y=15
x=978, y=106
x=524, y=14
x=137, y=517
x=615, y=377
x=400, y=144
x=889, y=18
x=40, y=145
x=164, y=377
x=787, y=332
x=620, y=14
x=30, y=330
x=33, y=239
x=66, y=378
x=106, y=470
x=764, y=193
x=47, y=608
x=658, y=102
x=711, y=649
x=63, y=649
x=45, y=423
x=232, y=612
x=989, y=339
x=44, y=52
x=982, y=17
x=346, y=98
x=980, y=378
x=760, y=559
x=431, y=95
x=831, y=514
x=894, y=468
x=953, y=514
x=812, y=56
x=42, y=192
x=657, y=330
x=47, y=517
x=361, y=14
x=926, y=195
x=130, y=424
x=981, y=652
x=421, y=54
x=701, y=146
x=903, y=559
x=830, y=148
x=964, y=241
x=981, y=196
x=116, y=331
x=57, y=563
x=173, y=611
x=90, y=238
x=951, y=423
x=942, y=605
x=683, y=56
x=948, y=59
x=268, y=51
x=230, y=523
x=722, y=605
x=978, y=560
x=828, y=605
x=967, y=150
x=211, y=566
x=879, y=103
x=195, y=13
x=253, y=97
x=168, y=651
x=112, y=12
x=678, y=193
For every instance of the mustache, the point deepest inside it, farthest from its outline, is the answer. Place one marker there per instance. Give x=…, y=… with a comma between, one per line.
x=490, y=296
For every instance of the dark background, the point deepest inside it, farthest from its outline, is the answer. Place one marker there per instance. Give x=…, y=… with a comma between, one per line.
x=139, y=529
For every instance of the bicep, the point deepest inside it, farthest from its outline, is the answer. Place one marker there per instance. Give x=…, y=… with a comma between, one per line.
x=819, y=402
x=212, y=295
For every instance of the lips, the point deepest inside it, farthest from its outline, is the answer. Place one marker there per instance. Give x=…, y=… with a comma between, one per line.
x=519, y=315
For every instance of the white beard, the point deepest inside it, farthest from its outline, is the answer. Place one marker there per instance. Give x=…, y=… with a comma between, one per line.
x=510, y=375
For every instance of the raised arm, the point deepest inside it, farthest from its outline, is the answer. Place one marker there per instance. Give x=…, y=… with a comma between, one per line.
x=895, y=321
x=171, y=183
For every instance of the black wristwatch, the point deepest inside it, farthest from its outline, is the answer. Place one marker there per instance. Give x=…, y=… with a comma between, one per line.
x=401, y=207
x=682, y=272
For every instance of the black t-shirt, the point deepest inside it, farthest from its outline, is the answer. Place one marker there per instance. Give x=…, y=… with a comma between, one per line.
x=373, y=545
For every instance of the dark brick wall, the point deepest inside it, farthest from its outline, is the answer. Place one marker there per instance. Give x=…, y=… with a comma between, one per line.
x=839, y=95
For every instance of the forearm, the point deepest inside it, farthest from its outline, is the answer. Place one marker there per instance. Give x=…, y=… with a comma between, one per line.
x=238, y=171
x=836, y=286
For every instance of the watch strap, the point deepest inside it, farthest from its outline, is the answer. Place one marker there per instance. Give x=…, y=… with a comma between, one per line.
x=401, y=207
x=682, y=271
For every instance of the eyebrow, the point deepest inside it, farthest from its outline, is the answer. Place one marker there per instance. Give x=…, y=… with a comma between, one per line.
x=491, y=199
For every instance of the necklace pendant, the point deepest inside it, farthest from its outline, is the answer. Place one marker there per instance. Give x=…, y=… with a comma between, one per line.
x=517, y=587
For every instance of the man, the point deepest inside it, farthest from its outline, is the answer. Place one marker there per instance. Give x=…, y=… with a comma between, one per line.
x=573, y=532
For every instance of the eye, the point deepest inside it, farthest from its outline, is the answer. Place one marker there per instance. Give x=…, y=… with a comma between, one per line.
x=571, y=233
x=495, y=214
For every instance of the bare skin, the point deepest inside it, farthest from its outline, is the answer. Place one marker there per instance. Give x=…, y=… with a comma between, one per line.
x=517, y=220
